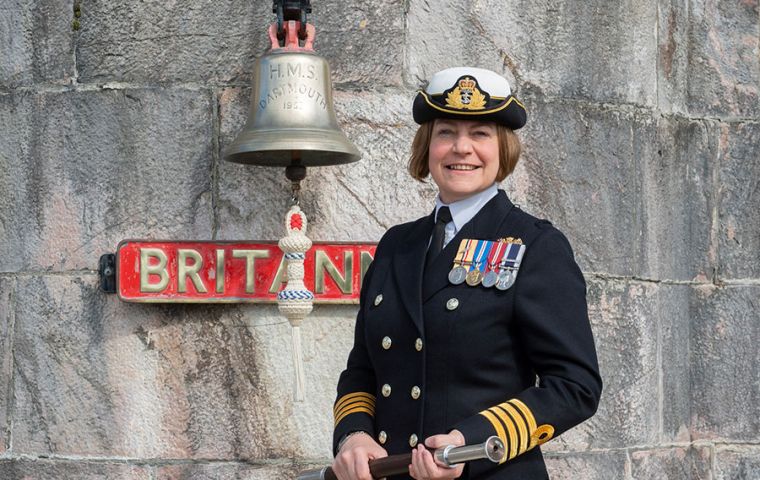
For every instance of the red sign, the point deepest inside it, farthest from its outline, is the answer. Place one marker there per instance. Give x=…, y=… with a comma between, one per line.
x=235, y=272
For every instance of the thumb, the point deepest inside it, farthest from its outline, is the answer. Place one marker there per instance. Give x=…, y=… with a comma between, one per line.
x=378, y=452
x=437, y=441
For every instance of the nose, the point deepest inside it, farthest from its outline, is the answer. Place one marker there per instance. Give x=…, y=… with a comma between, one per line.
x=462, y=145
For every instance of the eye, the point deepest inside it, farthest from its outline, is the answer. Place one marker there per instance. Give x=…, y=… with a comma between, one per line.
x=445, y=131
x=482, y=133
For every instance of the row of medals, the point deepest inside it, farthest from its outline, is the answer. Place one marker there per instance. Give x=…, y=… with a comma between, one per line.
x=501, y=276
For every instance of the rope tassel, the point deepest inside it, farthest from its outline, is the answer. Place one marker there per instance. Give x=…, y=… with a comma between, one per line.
x=295, y=302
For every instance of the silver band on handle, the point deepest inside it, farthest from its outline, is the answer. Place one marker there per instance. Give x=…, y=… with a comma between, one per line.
x=492, y=449
x=315, y=474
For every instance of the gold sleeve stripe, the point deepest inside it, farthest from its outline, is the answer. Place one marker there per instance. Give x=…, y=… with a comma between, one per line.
x=351, y=396
x=353, y=404
x=347, y=398
x=499, y=429
x=543, y=434
x=360, y=408
x=528, y=415
x=516, y=426
x=521, y=426
x=514, y=436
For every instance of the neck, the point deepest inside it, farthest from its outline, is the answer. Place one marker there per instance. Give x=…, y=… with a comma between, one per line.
x=449, y=199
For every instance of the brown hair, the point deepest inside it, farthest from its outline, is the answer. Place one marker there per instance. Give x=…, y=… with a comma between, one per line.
x=509, y=151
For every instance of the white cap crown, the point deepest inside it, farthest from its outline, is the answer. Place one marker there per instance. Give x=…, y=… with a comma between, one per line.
x=492, y=83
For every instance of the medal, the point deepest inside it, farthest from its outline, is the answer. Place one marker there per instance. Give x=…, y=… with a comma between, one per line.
x=510, y=265
x=490, y=279
x=457, y=275
x=474, y=277
x=494, y=258
x=505, y=280
x=458, y=272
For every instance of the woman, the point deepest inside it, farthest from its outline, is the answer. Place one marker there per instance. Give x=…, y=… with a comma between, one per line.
x=473, y=320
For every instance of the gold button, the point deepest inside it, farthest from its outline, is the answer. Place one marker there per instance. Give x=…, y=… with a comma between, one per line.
x=418, y=344
x=378, y=299
x=387, y=342
x=452, y=304
x=415, y=392
x=413, y=441
x=382, y=437
x=386, y=390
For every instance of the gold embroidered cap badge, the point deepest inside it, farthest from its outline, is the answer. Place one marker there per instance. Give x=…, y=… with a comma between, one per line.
x=466, y=96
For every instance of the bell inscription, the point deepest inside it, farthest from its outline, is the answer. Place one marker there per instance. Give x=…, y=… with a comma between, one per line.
x=291, y=70
x=294, y=87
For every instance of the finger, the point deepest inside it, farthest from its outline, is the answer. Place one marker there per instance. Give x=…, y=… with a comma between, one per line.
x=436, y=462
x=421, y=465
x=413, y=467
x=342, y=472
x=336, y=470
x=421, y=469
x=340, y=466
x=379, y=452
x=439, y=471
x=428, y=462
x=361, y=467
x=437, y=441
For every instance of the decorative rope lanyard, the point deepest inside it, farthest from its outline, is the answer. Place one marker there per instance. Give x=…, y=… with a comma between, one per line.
x=295, y=301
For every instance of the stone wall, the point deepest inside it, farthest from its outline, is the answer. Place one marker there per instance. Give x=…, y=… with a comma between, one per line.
x=642, y=145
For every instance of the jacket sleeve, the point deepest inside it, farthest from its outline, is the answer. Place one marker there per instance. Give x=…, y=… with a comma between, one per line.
x=551, y=317
x=354, y=408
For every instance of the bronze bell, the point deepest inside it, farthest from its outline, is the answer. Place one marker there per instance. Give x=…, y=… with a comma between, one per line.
x=292, y=119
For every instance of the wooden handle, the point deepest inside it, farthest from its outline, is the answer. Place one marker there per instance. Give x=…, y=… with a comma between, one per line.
x=378, y=468
x=387, y=466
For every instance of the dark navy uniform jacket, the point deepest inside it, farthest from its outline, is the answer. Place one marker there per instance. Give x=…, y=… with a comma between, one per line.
x=429, y=356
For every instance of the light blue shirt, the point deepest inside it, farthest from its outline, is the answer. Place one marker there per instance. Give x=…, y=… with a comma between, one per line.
x=463, y=211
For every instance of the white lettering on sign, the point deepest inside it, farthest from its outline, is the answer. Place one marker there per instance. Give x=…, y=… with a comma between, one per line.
x=185, y=269
x=146, y=270
x=250, y=269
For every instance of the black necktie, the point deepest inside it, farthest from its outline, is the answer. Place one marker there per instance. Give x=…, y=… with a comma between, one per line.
x=439, y=232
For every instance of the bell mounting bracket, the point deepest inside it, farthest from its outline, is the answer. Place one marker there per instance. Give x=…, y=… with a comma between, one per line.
x=291, y=10
x=291, y=37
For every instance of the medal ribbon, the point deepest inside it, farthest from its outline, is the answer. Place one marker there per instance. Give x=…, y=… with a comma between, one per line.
x=494, y=257
x=468, y=252
x=510, y=254
x=480, y=255
x=461, y=252
x=519, y=256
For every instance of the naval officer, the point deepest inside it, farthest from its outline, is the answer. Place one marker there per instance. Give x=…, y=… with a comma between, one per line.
x=473, y=320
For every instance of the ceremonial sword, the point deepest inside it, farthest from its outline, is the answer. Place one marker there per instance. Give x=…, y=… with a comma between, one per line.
x=492, y=449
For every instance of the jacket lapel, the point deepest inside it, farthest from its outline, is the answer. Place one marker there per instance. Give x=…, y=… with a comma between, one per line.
x=408, y=263
x=485, y=225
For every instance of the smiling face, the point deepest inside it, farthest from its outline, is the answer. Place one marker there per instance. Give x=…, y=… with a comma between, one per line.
x=463, y=157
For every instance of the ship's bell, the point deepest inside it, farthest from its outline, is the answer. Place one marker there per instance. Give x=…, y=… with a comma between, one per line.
x=292, y=119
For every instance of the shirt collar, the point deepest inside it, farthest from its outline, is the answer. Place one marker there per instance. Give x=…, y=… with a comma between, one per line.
x=463, y=210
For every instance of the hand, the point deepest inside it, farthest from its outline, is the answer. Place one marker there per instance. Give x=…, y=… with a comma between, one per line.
x=425, y=467
x=352, y=461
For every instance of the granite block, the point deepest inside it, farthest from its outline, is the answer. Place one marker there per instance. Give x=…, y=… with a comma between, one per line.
x=86, y=170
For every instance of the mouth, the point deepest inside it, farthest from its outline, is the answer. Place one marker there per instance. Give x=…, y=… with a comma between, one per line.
x=462, y=167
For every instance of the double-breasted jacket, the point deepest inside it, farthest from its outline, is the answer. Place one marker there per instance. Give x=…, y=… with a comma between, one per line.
x=430, y=356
